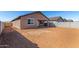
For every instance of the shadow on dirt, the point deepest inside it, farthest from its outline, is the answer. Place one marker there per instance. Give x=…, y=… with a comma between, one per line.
x=12, y=39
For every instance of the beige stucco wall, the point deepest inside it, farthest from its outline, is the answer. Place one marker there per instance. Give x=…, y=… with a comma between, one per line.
x=36, y=17
x=1, y=27
x=17, y=24
x=24, y=24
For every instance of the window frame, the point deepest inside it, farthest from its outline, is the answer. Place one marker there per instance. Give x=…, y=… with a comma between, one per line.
x=31, y=21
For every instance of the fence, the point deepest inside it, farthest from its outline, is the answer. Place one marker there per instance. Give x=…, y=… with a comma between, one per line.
x=65, y=24
x=1, y=27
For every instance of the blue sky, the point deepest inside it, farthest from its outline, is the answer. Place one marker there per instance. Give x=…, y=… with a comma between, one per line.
x=10, y=15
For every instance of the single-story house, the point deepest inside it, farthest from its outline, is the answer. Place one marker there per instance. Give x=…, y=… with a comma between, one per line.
x=57, y=19
x=31, y=20
x=69, y=20
x=53, y=20
x=60, y=19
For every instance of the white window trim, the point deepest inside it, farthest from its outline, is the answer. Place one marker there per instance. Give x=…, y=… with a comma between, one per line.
x=32, y=20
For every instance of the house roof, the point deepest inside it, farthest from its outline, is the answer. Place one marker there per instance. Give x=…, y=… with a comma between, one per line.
x=56, y=18
x=30, y=14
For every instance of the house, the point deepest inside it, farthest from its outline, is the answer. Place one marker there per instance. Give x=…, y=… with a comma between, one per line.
x=7, y=24
x=53, y=20
x=57, y=19
x=60, y=19
x=69, y=20
x=31, y=20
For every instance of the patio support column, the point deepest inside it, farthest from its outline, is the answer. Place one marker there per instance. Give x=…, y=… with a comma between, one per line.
x=48, y=23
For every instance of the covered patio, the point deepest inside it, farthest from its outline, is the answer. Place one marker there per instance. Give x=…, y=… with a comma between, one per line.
x=43, y=23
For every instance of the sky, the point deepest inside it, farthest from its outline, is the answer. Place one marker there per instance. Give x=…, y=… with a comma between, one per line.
x=10, y=15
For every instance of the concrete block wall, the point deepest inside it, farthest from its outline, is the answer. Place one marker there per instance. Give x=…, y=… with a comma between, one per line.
x=66, y=24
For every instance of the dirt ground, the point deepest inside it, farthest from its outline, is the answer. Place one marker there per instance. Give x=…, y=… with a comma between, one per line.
x=42, y=38
x=52, y=37
x=12, y=39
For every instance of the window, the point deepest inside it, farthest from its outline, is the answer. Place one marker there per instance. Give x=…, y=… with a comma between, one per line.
x=30, y=21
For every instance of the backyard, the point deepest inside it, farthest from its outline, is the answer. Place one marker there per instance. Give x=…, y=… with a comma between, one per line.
x=41, y=37
x=52, y=37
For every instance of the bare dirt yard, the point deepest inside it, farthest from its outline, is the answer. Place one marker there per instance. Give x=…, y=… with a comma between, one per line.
x=41, y=37
x=13, y=39
x=52, y=37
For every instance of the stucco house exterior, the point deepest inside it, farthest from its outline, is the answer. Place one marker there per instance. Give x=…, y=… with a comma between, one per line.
x=31, y=20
